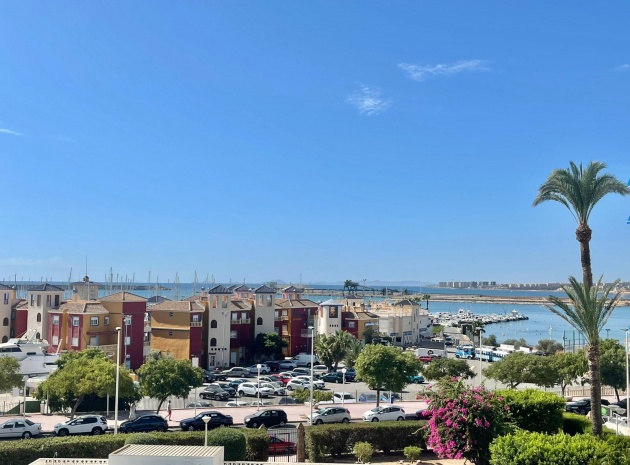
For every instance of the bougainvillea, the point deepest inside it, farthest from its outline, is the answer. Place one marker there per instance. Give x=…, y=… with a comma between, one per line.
x=463, y=421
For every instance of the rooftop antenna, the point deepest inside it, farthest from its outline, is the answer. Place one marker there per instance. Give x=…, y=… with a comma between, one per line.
x=176, y=287
x=194, y=289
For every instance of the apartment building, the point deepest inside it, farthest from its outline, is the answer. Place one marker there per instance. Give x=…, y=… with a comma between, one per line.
x=293, y=316
x=177, y=328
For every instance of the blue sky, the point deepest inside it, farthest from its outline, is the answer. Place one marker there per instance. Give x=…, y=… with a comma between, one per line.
x=332, y=140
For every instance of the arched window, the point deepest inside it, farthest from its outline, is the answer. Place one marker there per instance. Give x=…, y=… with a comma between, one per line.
x=39, y=317
x=5, y=322
x=213, y=324
x=259, y=321
x=38, y=336
x=5, y=339
x=213, y=342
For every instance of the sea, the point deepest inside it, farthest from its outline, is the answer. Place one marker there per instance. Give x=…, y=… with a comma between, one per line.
x=541, y=322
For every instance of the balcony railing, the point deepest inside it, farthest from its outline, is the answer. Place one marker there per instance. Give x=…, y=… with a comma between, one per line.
x=104, y=347
x=242, y=321
x=196, y=324
x=281, y=318
x=306, y=333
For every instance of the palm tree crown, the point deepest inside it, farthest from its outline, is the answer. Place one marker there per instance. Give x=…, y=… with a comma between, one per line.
x=579, y=190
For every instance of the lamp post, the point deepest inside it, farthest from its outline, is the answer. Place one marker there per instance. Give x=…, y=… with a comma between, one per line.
x=607, y=332
x=25, y=379
x=118, y=328
x=312, y=328
x=343, y=384
x=627, y=383
x=223, y=349
x=480, y=358
x=205, y=419
x=259, y=366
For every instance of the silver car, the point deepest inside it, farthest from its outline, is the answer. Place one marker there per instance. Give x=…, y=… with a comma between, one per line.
x=20, y=428
x=329, y=415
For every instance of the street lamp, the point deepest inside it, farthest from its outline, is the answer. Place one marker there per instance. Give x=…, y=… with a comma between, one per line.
x=312, y=328
x=259, y=366
x=223, y=349
x=118, y=328
x=25, y=379
x=343, y=384
x=607, y=332
x=480, y=358
x=205, y=419
x=627, y=383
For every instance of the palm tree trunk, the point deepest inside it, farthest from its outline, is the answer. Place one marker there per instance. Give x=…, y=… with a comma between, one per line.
x=596, y=389
x=583, y=235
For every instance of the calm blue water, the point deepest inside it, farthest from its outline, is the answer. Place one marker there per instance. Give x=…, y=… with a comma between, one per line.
x=542, y=324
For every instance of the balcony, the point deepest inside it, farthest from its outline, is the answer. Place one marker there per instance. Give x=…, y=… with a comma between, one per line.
x=196, y=324
x=306, y=333
x=242, y=321
x=281, y=318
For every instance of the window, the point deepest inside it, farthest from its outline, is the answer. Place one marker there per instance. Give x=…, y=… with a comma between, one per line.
x=6, y=298
x=56, y=301
x=13, y=314
x=5, y=322
x=55, y=319
x=106, y=321
x=224, y=301
x=213, y=342
x=32, y=300
x=260, y=300
x=39, y=300
x=12, y=332
x=75, y=342
x=215, y=301
x=39, y=317
x=195, y=317
x=55, y=340
x=75, y=321
x=259, y=321
x=269, y=301
x=233, y=334
x=128, y=340
x=213, y=324
x=93, y=340
x=127, y=319
x=285, y=330
x=48, y=300
x=170, y=333
x=234, y=316
x=170, y=314
x=93, y=321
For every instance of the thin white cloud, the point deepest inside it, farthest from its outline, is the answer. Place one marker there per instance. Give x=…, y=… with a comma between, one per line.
x=423, y=72
x=368, y=101
x=8, y=131
x=624, y=67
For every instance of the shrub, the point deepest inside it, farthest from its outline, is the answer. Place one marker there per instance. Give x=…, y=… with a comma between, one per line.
x=464, y=420
x=321, y=396
x=302, y=396
x=233, y=441
x=257, y=445
x=141, y=438
x=363, y=451
x=534, y=410
x=386, y=436
x=573, y=424
x=412, y=453
x=526, y=448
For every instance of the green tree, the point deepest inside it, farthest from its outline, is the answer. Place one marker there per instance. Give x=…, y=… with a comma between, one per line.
x=10, y=376
x=587, y=311
x=490, y=341
x=269, y=344
x=579, y=190
x=162, y=376
x=426, y=297
x=516, y=368
x=386, y=368
x=567, y=368
x=332, y=348
x=369, y=334
x=441, y=367
x=350, y=286
x=352, y=353
x=613, y=365
x=83, y=374
x=517, y=343
x=549, y=346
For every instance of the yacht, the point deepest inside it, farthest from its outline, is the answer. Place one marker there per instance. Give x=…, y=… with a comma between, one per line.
x=31, y=353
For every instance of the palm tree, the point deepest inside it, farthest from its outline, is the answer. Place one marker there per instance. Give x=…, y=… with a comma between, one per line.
x=426, y=297
x=579, y=190
x=588, y=313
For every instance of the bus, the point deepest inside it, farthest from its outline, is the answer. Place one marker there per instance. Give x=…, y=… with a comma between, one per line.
x=466, y=352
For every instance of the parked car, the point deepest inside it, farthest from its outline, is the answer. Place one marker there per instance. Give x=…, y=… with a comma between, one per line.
x=387, y=397
x=285, y=377
x=226, y=387
x=234, y=384
x=336, y=377
x=237, y=403
x=85, y=424
x=251, y=389
x=260, y=403
x=20, y=428
x=582, y=406
x=214, y=392
x=287, y=365
x=199, y=404
x=264, y=369
x=144, y=423
x=367, y=397
x=320, y=370
x=341, y=397
x=236, y=372
x=351, y=374
x=305, y=360
x=416, y=379
x=267, y=417
x=317, y=383
x=280, y=446
x=196, y=423
x=288, y=401
x=329, y=415
x=302, y=371
x=295, y=384
x=273, y=366
x=388, y=413
x=278, y=388
x=266, y=379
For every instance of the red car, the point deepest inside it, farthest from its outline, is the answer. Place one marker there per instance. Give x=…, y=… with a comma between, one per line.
x=278, y=446
x=284, y=378
x=427, y=358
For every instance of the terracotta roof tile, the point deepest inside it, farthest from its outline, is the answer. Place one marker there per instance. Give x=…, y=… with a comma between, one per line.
x=123, y=297
x=177, y=306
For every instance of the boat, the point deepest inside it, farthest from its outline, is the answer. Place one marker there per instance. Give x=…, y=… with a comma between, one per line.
x=31, y=353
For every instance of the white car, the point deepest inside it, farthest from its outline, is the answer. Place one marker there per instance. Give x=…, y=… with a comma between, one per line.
x=278, y=388
x=341, y=398
x=295, y=384
x=236, y=403
x=329, y=415
x=389, y=413
x=20, y=428
x=260, y=403
x=86, y=424
x=287, y=365
x=264, y=369
x=317, y=383
x=320, y=369
x=251, y=389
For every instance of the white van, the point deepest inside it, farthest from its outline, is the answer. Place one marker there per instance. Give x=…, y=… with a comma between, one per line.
x=304, y=360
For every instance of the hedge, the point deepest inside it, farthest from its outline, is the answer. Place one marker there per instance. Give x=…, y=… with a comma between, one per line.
x=526, y=448
x=25, y=451
x=573, y=424
x=386, y=436
x=534, y=410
